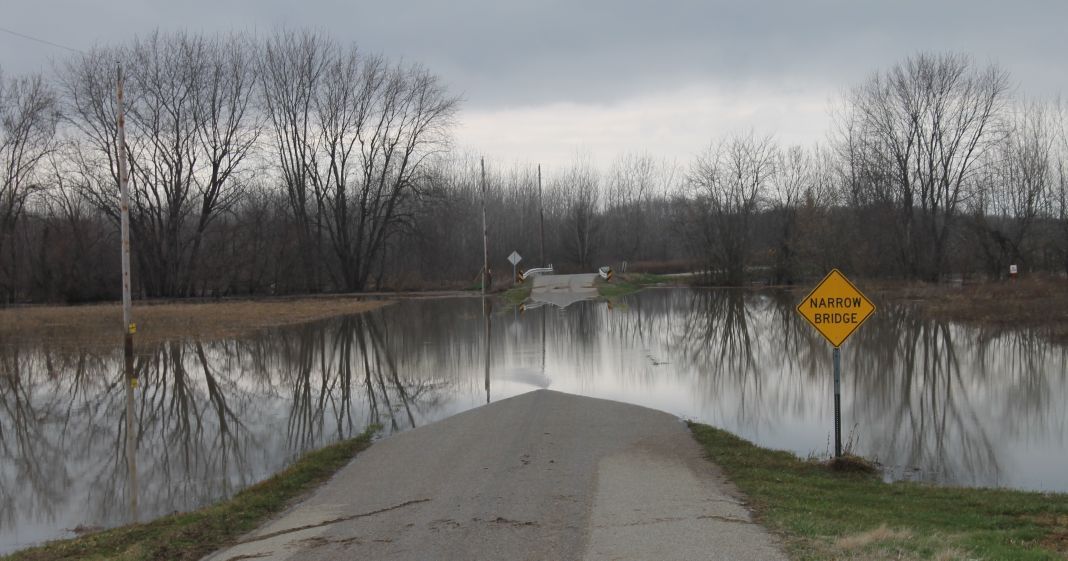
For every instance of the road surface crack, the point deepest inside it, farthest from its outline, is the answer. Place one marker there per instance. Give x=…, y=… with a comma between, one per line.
x=507, y=521
x=724, y=518
x=332, y=521
x=669, y=519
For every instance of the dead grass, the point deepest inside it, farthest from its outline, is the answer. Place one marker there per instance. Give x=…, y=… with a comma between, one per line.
x=1057, y=540
x=871, y=537
x=102, y=324
x=1036, y=302
x=848, y=463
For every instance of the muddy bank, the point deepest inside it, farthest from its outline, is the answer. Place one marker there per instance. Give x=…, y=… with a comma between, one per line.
x=102, y=324
x=1035, y=303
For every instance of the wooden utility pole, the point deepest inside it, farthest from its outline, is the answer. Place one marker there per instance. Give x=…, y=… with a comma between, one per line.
x=127, y=314
x=541, y=212
x=487, y=277
x=488, y=339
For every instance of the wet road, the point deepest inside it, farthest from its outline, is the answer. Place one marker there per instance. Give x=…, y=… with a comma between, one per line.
x=563, y=290
x=544, y=475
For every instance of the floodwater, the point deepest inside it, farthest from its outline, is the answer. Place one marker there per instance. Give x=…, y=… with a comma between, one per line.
x=931, y=400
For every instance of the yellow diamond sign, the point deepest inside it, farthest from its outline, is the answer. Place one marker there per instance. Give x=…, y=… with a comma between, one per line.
x=836, y=308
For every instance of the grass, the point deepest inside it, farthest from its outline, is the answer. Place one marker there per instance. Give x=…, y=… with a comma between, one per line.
x=517, y=294
x=101, y=324
x=191, y=536
x=628, y=283
x=826, y=514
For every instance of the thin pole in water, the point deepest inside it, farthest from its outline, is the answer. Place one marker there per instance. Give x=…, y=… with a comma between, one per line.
x=486, y=278
x=541, y=213
x=486, y=320
x=837, y=402
x=127, y=313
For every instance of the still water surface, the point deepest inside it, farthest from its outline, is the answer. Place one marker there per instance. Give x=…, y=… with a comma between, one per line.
x=931, y=400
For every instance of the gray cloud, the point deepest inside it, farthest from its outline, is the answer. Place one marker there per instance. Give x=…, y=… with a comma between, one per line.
x=517, y=53
x=603, y=54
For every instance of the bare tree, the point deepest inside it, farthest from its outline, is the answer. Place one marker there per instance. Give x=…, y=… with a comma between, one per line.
x=352, y=134
x=378, y=124
x=579, y=191
x=290, y=72
x=1060, y=197
x=1015, y=186
x=729, y=182
x=72, y=250
x=927, y=122
x=189, y=128
x=28, y=117
x=633, y=182
x=793, y=181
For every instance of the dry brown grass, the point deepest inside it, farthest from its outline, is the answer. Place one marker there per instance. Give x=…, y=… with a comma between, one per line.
x=102, y=324
x=878, y=535
x=1032, y=302
x=1057, y=539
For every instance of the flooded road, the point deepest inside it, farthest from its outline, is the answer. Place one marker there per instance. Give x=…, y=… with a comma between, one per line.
x=933, y=401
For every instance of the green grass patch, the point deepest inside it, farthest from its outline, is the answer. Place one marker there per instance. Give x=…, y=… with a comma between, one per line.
x=628, y=283
x=192, y=535
x=517, y=294
x=828, y=514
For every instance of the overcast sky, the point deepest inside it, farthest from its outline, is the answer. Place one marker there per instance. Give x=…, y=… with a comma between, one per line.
x=548, y=81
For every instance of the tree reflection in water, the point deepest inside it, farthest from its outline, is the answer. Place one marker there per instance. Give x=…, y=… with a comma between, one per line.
x=933, y=400
x=212, y=417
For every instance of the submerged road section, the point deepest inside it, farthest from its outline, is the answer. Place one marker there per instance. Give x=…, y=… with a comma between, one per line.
x=544, y=475
x=563, y=290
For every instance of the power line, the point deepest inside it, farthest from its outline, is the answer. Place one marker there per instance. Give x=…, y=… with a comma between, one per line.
x=46, y=42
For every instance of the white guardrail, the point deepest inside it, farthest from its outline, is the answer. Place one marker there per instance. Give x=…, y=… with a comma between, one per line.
x=536, y=271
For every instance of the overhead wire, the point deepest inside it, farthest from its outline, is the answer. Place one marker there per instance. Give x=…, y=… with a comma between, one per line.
x=39, y=40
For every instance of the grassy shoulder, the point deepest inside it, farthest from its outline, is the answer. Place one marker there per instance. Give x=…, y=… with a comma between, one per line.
x=825, y=514
x=190, y=536
x=628, y=283
x=101, y=324
x=517, y=294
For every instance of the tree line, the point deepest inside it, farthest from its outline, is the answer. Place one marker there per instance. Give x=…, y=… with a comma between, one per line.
x=295, y=164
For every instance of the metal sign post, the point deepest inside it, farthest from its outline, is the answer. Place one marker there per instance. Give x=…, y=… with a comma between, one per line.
x=514, y=259
x=836, y=309
x=837, y=402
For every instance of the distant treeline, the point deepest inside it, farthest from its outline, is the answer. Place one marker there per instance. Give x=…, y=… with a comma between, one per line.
x=296, y=164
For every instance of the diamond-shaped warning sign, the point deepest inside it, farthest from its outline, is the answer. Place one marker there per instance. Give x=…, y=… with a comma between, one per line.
x=836, y=308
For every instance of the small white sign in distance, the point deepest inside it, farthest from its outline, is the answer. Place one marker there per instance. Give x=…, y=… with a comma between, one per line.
x=514, y=258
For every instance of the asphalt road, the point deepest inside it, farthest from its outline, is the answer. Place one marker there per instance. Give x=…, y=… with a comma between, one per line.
x=541, y=476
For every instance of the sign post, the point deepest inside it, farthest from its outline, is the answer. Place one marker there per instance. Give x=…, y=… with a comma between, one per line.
x=836, y=309
x=514, y=259
x=837, y=354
